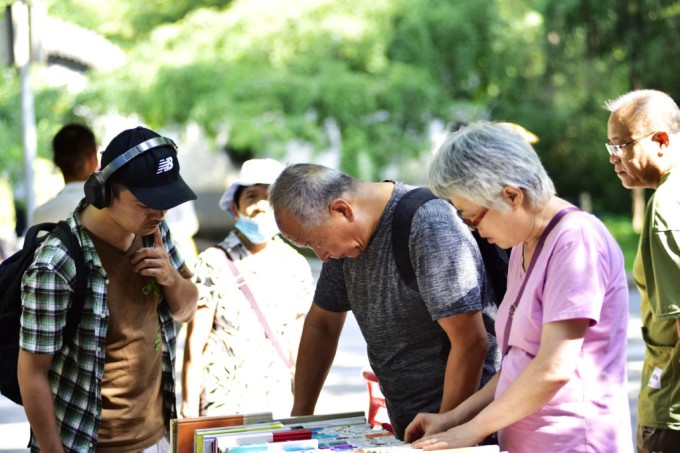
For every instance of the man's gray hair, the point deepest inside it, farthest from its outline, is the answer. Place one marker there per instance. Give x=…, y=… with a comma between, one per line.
x=478, y=160
x=647, y=111
x=306, y=191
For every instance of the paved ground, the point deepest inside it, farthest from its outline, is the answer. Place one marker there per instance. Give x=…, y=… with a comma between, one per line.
x=345, y=390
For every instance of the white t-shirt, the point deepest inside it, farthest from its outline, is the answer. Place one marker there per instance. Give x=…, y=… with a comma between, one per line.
x=61, y=206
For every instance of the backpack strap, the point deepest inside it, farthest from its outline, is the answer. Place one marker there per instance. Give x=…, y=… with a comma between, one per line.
x=496, y=261
x=63, y=232
x=495, y=258
x=401, y=231
x=32, y=233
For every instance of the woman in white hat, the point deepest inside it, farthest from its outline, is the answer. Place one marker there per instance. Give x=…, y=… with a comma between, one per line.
x=241, y=345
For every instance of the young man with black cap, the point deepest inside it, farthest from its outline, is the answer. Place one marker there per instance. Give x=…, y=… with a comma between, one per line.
x=111, y=388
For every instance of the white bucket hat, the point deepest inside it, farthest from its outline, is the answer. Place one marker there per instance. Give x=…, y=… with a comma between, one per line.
x=253, y=171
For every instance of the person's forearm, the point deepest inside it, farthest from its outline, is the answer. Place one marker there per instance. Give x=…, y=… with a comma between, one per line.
x=310, y=375
x=463, y=374
x=197, y=334
x=314, y=359
x=42, y=419
x=191, y=383
x=181, y=296
x=554, y=365
x=39, y=406
x=472, y=406
x=532, y=389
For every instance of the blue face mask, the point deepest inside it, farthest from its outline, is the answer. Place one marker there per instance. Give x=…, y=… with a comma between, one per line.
x=258, y=230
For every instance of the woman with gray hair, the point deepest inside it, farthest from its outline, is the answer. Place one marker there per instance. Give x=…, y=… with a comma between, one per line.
x=562, y=326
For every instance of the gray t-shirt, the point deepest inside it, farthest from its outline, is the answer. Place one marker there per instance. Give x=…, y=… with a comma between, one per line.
x=407, y=348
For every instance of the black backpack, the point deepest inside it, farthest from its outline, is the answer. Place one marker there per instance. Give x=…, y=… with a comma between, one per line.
x=495, y=258
x=11, y=271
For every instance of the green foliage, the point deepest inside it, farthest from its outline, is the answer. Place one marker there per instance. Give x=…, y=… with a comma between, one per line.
x=10, y=123
x=52, y=106
x=600, y=50
x=125, y=22
x=237, y=73
x=265, y=73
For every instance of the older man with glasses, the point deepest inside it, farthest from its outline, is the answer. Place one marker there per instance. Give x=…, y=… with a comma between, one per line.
x=644, y=149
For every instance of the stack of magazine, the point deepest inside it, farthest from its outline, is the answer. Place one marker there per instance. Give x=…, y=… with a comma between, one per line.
x=260, y=433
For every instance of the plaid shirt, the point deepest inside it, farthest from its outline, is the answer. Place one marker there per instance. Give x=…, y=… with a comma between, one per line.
x=78, y=367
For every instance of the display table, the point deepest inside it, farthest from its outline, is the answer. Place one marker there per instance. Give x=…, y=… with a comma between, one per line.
x=260, y=433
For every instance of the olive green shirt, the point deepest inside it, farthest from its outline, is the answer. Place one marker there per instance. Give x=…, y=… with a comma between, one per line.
x=657, y=275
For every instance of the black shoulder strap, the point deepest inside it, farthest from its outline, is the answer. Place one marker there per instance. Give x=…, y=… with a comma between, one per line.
x=496, y=264
x=233, y=253
x=63, y=232
x=495, y=258
x=225, y=250
x=401, y=230
x=31, y=234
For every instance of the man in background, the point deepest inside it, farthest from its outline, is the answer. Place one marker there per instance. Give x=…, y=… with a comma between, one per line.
x=74, y=151
x=644, y=148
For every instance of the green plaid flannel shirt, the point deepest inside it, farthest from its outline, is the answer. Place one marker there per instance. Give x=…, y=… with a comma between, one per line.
x=78, y=367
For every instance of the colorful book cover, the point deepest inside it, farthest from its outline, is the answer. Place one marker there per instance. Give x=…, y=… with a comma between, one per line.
x=209, y=433
x=182, y=429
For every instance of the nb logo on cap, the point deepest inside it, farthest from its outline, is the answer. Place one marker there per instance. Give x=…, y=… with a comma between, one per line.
x=165, y=165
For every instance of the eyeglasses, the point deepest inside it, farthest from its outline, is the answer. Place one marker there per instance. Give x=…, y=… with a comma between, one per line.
x=616, y=150
x=472, y=223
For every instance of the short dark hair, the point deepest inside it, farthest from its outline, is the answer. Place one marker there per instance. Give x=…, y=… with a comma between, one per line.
x=237, y=195
x=116, y=188
x=72, y=146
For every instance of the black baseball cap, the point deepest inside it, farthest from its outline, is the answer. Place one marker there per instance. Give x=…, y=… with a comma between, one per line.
x=152, y=176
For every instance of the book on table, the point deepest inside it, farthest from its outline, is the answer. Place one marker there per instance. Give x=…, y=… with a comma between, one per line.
x=259, y=433
x=182, y=429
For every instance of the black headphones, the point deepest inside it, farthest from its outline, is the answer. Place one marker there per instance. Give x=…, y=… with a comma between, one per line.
x=97, y=191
